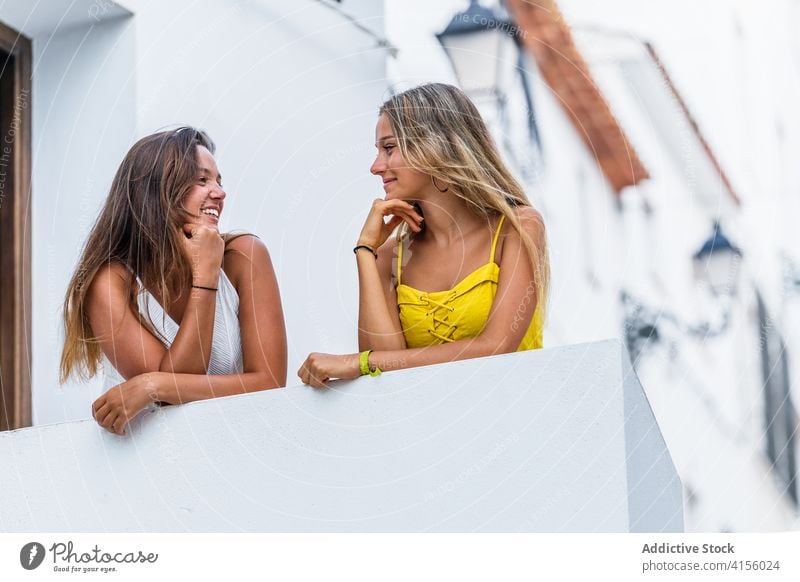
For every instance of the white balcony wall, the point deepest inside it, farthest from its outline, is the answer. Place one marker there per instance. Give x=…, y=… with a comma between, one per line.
x=554, y=440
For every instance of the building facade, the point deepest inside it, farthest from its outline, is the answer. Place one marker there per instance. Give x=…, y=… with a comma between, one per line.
x=649, y=128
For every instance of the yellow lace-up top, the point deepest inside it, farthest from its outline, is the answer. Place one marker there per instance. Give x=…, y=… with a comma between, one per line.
x=457, y=313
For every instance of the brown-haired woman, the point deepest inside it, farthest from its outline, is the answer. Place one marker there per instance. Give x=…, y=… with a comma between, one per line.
x=174, y=310
x=468, y=273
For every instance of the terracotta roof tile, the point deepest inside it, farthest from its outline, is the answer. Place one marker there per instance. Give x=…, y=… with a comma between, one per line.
x=547, y=37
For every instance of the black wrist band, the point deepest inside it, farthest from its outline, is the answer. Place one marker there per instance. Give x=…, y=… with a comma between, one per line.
x=370, y=249
x=206, y=288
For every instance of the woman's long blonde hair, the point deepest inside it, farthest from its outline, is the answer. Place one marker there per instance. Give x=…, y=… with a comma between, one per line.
x=138, y=227
x=440, y=132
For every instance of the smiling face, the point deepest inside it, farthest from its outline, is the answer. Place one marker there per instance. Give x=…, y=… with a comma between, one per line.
x=399, y=180
x=204, y=200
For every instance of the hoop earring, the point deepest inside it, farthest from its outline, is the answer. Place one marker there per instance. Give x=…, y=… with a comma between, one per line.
x=433, y=181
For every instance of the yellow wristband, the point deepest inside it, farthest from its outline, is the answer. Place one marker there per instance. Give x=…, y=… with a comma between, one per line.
x=363, y=360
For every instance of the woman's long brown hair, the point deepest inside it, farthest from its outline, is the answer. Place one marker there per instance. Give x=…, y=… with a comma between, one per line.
x=138, y=227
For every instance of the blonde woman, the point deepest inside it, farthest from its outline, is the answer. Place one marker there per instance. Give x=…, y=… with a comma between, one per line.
x=468, y=272
x=174, y=310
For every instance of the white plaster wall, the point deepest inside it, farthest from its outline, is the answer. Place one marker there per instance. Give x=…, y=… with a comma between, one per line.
x=708, y=395
x=557, y=440
x=46, y=18
x=84, y=117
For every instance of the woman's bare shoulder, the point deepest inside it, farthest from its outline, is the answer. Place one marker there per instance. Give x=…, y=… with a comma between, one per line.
x=527, y=214
x=109, y=284
x=531, y=221
x=247, y=244
x=113, y=273
x=245, y=255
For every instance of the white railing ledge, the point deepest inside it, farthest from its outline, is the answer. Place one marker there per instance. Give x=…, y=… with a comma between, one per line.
x=560, y=439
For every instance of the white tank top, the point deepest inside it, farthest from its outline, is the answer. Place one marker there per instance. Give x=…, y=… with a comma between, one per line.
x=226, y=343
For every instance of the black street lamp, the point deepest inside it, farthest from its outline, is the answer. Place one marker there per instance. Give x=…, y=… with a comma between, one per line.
x=485, y=52
x=480, y=45
x=717, y=264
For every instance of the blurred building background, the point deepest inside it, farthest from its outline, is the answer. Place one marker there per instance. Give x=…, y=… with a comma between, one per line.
x=654, y=137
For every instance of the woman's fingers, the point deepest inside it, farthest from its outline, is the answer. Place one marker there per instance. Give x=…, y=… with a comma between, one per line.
x=315, y=383
x=376, y=230
x=413, y=219
x=397, y=208
x=317, y=379
x=118, y=426
x=97, y=405
x=101, y=412
x=404, y=212
x=302, y=373
x=109, y=420
x=392, y=224
x=314, y=380
x=412, y=222
x=400, y=206
x=106, y=410
x=311, y=375
x=121, y=403
x=202, y=232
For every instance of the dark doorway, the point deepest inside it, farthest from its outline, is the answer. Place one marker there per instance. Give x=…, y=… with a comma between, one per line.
x=15, y=229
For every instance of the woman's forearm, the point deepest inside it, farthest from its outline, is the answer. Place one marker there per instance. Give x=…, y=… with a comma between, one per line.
x=182, y=388
x=319, y=368
x=376, y=330
x=466, y=349
x=190, y=352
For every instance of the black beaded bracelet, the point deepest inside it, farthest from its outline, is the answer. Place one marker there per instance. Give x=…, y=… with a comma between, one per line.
x=370, y=249
x=206, y=288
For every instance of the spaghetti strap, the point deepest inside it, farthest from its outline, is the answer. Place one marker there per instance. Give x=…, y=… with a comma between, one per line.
x=497, y=236
x=399, y=258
